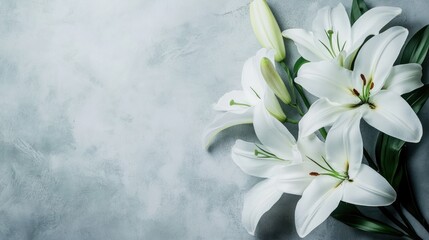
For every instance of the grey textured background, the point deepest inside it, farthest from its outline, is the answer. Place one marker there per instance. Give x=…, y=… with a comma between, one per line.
x=102, y=108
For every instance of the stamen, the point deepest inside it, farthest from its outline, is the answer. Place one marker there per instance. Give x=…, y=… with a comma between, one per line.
x=356, y=92
x=232, y=102
x=314, y=174
x=261, y=153
x=255, y=93
x=363, y=79
x=372, y=86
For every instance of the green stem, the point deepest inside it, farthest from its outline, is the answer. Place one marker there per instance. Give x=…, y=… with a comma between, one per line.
x=288, y=120
x=297, y=87
x=302, y=94
x=297, y=108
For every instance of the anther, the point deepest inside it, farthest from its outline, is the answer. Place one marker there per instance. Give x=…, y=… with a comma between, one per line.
x=363, y=79
x=315, y=174
x=372, y=85
x=356, y=92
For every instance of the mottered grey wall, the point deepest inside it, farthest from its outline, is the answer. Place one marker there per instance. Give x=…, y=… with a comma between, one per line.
x=102, y=108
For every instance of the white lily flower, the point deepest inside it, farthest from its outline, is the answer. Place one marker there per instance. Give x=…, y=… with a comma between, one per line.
x=373, y=89
x=333, y=37
x=237, y=106
x=343, y=177
x=280, y=159
x=324, y=174
x=266, y=28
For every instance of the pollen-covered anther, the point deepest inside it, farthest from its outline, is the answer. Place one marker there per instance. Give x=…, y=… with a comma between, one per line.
x=314, y=174
x=363, y=79
x=356, y=92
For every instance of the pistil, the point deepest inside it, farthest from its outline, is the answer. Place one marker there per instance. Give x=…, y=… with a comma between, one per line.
x=331, y=48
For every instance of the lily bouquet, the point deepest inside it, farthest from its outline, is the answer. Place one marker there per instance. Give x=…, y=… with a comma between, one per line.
x=356, y=70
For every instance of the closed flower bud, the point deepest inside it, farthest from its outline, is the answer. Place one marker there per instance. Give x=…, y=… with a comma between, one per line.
x=274, y=81
x=266, y=29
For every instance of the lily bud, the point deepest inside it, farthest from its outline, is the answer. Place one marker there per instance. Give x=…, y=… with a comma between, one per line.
x=274, y=81
x=266, y=29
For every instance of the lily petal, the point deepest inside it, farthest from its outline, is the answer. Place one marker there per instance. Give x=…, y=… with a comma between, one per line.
x=393, y=116
x=311, y=147
x=376, y=58
x=318, y=201
x=370, y=23
x=327, y=80
x=344, y=143
x=258, y=201
x=243, y=154
x=295, y=178
x=336, y=20
x=224, y=121
x=322, y=113
x=274, y=135
x=404, y=78
x=251, y=79
x=368, y=188
x=234, y=101
x=304, y=41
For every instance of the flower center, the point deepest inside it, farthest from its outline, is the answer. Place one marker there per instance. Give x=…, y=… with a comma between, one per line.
x=330, y=171
x=334, y=48
x=365, y=94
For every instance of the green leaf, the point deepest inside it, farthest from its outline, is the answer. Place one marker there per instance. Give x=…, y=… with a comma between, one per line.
x=407, y=199
x=351, y=216
x=417, y=48
x=359, y=7
x=417, y=98
x=392, y=162
x=298, y=64
x=387, y=152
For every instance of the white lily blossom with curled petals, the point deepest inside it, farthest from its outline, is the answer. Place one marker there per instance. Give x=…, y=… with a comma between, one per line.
x=280, y=159
x=343, y=177
x=324, y=174
x=333, y=37
x=373, y=89
x=237, y=106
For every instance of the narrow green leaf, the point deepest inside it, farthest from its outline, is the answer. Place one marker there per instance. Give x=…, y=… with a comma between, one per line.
x=407, y=199
x=351, y=216
x=417, y=48
x=388, y=150
x=298, y=64
x=417, y=98
x=359, y=7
